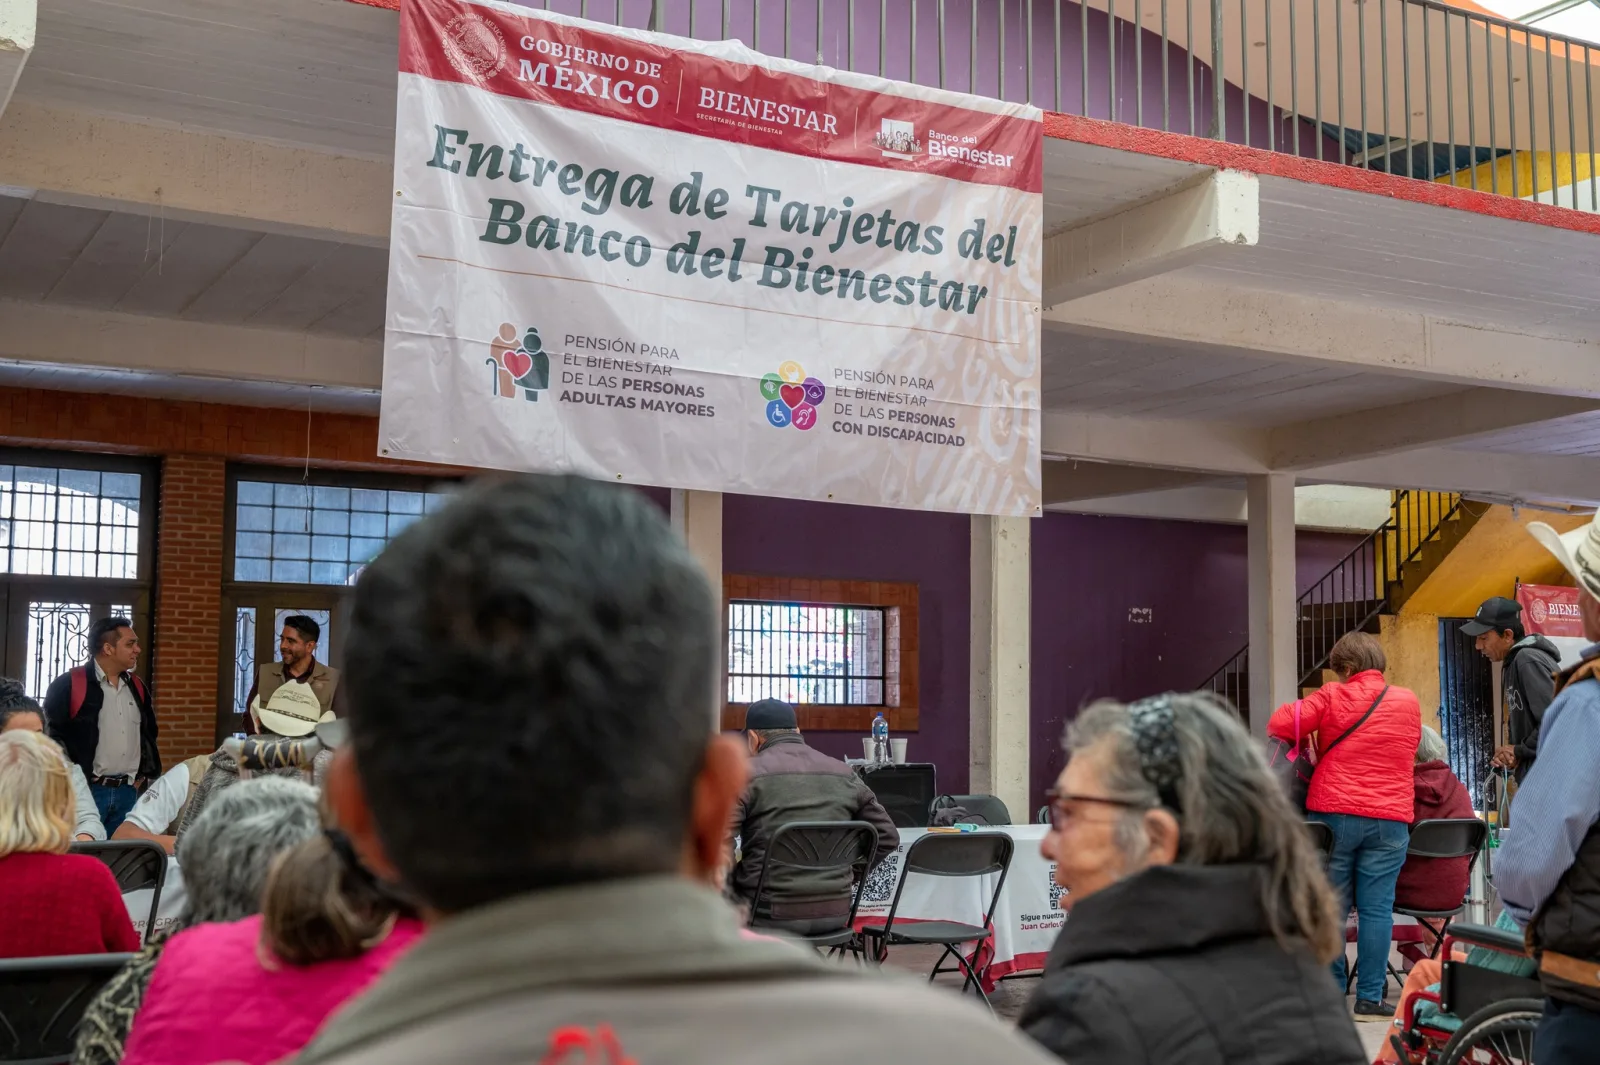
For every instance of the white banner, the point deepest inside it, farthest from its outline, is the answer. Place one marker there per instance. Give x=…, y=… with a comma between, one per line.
x=669, y=262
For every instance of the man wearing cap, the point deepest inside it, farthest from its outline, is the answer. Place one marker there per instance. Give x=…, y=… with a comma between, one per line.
x=298, y=665
x=1527, y=676
x=1548, y=869
x=790, y=781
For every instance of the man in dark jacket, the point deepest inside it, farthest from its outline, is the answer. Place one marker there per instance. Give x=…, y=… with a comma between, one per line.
x=102, y=714
x=1528, y=667
x=790, y=782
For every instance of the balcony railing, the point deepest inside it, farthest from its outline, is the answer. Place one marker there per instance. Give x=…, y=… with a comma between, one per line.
x=1413, y=87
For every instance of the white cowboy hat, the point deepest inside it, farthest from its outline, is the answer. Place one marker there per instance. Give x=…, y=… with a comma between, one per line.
x=1578, y=551
x=293, y=710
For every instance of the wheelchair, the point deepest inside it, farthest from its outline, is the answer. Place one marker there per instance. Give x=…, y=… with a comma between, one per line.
x=1499, y=1011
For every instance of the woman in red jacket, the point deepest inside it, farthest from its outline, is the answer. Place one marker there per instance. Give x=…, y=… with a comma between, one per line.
x=1365, y=732
x=55, y=902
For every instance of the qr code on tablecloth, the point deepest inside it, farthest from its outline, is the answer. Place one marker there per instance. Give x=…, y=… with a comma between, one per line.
x=1056, y=890
x=880, y=882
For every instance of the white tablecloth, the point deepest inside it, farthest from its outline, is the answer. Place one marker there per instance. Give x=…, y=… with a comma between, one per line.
x=173, y=896
x=1026, y=918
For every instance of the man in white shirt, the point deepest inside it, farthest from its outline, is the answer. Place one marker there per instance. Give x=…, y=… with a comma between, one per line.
x=156, y=815
x=19, y=712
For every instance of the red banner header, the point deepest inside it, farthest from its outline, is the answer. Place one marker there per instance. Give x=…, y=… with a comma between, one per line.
x=1550, y=610
x=700, y=88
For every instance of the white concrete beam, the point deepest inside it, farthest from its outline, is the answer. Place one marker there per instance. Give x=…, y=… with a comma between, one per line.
x=697, y=517
x=1324, y=508
x=1067, y=482
x=93, y=160
x=1206, y=447
x=1489, y=474
x=54, y=335
x=1178, y=229
x=19, y=23
x=1000, y=647
x=1409, y=426
x=1274, y=628
x=1226, y=319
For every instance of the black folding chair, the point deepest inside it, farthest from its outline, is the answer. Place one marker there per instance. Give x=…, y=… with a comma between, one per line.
x=847, y=847
x=1321, y=837
x=1456, y=837
x=137, y=864
x=42, y=1000
x=950, y=854
x=1043, y=816
x=988, y=807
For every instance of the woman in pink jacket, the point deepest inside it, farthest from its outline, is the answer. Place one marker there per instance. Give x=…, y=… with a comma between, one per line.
x=257, y=990
x=1365, y=732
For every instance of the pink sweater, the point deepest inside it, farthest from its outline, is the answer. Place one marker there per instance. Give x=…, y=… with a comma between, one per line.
x=211, y=999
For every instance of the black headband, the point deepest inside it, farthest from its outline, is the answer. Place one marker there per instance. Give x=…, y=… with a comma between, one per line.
x=1155, y=735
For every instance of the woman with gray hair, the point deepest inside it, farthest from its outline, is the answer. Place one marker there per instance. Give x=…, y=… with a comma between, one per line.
x=1436, y=884
x=1201, y=920
x=225, y=857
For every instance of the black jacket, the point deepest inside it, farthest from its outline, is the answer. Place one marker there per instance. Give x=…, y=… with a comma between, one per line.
x=80, y=733
x=1176, y=966
x=1528, y=677
x=792, y=782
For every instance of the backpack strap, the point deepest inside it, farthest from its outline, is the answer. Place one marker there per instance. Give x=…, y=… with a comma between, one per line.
x=80, y=689
x=138, y=687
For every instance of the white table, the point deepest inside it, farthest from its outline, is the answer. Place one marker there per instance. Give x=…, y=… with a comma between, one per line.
x=1026, y=919
x=173, y=897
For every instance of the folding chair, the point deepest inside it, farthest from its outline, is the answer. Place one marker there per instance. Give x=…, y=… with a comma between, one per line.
x=1454, y=837
x=988, y=807
x=42, y=1000
x=1321, y=837
x=137, y=864
x=847, y=847
x=963, y=854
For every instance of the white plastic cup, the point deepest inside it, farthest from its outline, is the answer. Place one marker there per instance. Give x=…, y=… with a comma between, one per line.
x=897, y=749
x=866, y=748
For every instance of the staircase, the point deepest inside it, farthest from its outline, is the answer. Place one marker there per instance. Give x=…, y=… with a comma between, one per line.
x=1374, y=579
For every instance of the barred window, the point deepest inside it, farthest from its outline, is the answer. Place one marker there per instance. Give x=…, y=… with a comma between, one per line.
x=805, y=653
x=289, y=533
x=61, y=522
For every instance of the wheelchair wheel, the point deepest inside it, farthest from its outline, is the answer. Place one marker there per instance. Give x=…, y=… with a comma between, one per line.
x=1498, y=1034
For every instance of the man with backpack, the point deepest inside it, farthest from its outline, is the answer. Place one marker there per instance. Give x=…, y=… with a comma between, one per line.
x=101, y=713
x=1528, y=667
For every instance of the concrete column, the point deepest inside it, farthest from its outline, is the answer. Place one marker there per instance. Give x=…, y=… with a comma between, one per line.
x=1274, y=670
x=19, y=21
x=1001, y=623
x=697, y=517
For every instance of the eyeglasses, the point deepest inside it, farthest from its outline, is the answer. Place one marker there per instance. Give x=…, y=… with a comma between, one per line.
x=1060, y=813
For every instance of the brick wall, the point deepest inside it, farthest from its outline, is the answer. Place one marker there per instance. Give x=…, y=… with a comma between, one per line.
x=188, y=602
x=196, y=441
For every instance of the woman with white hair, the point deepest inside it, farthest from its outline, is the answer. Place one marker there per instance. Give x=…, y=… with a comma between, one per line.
x=53, y=902
x=1201, y=922
x=1434, y=883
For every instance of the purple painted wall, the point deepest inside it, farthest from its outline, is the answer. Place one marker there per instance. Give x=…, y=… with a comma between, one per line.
x=788, y=538
x=1090, y=572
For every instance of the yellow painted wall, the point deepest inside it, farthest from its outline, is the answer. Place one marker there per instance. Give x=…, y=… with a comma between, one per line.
x=1496, y=553
x=1535, y=172
x=1411, y=644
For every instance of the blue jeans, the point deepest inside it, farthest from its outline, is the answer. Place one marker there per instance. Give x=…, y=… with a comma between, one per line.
x=113, y=804
x=1365, y=863
x=1567, y=1035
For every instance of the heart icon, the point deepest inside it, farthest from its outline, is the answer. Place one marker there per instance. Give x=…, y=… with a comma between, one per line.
x=793, y=395
x=519, y=362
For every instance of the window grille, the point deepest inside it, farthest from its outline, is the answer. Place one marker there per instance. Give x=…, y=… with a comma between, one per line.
x=805, y=653
x=62, y=522
x=316, y=534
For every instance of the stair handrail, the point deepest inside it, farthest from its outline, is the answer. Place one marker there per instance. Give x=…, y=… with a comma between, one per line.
x=1415, y=518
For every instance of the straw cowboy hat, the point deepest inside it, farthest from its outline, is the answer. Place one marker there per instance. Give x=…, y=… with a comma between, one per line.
x=1578, y=551
x=293, y=710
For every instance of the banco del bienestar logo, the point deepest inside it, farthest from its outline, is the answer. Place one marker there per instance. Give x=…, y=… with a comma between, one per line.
x=474, y=46
x=518, y=363
x=792, y=397
x=1540, y=612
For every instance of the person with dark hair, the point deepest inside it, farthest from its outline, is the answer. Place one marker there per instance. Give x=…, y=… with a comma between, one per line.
x=18, y=711
x=297, y=664
x=790, y=781
x=255, y=990
x=1528, y=667
x=1364, y=733
x=102, y=713
x=532, y=684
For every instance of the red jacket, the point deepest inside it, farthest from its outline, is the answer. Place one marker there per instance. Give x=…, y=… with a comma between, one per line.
x=61, y=904
x=1369, y=773
x=1436, y=883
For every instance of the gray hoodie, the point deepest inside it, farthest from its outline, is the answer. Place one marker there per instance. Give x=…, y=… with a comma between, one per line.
x=1528, y=676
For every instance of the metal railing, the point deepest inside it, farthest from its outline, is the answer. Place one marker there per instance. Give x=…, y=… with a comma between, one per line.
x=1351, y=595
x=1413, y=87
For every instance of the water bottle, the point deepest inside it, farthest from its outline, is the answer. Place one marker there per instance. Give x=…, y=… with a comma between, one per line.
x=880, y=739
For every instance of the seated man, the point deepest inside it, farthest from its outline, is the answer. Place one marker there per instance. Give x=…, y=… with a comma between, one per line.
x=161, y=808
x=532, y=670
x=789, y=782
